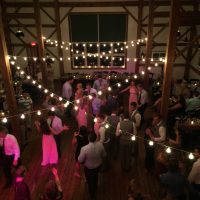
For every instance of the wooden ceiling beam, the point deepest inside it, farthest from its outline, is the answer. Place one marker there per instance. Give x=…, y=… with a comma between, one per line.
x=161, y=14
x=20, y=15
x=95, y=4
x=32, y=25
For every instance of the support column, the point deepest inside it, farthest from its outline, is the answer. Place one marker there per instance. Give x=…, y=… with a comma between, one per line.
x=170, y=51
x=59, y=37
x=149, y=44
x=40, y=41
x=8, y=82
x=139, y=27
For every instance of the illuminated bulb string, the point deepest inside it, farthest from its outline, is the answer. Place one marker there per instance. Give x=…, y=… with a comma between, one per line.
x=107, y=125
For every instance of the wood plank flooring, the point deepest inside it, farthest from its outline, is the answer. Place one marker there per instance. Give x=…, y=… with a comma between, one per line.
x=112, y=184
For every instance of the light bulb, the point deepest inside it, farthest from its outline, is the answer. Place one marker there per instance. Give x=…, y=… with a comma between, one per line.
x=191, y=156
x=52, y=94
x=133, y=138
x=119, y=84
x=126, y=80
x=34, y=82
x=53, y=109
x=95, y=119
x=4, y=120
x=107, y=126
x=100, y=93
x=90, y=97
x=28, y=77
x=22, y=116
x=192, y=122
x=168, y=150
x=109, y=88
x=39, y=86
x=18, y=67
x=135, y=76
x=25, y=58
x=38, y=112
x=142, y=72
x=76, y=107
x=151, y=143
x=156, y=64
x=60, y=98
x=45, y=91
x=78, y=101
x=149, y=68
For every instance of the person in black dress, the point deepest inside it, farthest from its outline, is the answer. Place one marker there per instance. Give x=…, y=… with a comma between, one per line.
x=81, y=139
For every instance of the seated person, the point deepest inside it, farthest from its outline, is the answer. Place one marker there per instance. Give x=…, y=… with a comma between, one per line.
x=193, y=103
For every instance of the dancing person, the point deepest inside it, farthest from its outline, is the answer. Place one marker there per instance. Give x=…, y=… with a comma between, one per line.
x=79, y=91
x=135, y=116
x=125, y=130
x=81, y=139
x=142, y=99
x=81, y=115
x=58, y=128
x=133, y=93
x=91, y=156
x=67, y=93
x=11, y=154
x=49, y=150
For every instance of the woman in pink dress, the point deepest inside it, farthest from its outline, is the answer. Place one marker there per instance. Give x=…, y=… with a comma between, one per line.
x=49, y=150
x=81, y=115
x=79, y=91
x=133, y=96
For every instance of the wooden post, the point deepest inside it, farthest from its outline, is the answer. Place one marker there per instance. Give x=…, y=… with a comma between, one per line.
x=8, y=83
x=40, y=41
x=59, y=36
x=149, y=44
x=170, y=51
x=139, y=27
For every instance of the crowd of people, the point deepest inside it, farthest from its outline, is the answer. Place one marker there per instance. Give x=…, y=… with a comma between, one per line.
x=108, y=130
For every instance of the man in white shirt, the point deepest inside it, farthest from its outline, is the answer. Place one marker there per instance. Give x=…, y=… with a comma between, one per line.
x=194, y=176
x=90, y=90
x=100, y=83
x=92, y=156
x=142, y=99
x=67, y=89
x=56, y=124
x=11, y=153
x=67, y=93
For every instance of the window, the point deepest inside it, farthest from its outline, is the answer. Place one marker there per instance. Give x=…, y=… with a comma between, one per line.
x=98, y=40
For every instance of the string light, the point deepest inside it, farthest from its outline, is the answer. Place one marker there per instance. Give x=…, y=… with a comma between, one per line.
x=168, y=150
x=126, y=80
x=33, y=82
x=38, y=112
x=53, y=109
x=191, y=156
x=4, y=120
x=107, y=126
x=99, y=93
x=52, y=95
x=90, y=97
x=119, y=84
x=109, y=88
x=45, y=91
x=76, y=107
x=151, y=143
x=95, y=120
x=22, y=116
x=78, y=101
x=60, y=98
x=133, y=138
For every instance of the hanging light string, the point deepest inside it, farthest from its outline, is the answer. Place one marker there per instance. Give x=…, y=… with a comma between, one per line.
x=4, y=119
x=153, y=61
x=63, y=44
x=107, y=125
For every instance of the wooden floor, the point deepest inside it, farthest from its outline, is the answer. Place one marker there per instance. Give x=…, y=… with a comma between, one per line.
x=112, y=184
